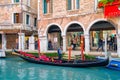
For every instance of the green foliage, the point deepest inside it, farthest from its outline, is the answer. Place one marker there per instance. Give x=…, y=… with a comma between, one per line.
x=106, y=1
x=89, y=57
x=52, y=54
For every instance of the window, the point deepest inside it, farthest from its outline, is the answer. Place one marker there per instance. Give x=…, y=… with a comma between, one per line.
x=15, y=1
x=35, y=22
x=96, y=5
x=73, y=4
x=47, y=6
x=77, y=4
x=69, y=4
x=28, y=2
x=27, y=19
x=17, y=17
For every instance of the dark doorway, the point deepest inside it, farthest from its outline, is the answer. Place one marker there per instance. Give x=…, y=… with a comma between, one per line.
x=73, y=35
x=98, y=31
x=54, y=37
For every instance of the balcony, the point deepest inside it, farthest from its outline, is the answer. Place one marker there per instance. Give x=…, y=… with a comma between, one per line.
x=17, y=27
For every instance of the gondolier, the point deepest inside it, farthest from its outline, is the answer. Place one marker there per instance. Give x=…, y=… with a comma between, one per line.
x=59, y=51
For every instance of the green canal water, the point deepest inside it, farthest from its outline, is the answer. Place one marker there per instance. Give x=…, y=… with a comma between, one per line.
x=15, y=68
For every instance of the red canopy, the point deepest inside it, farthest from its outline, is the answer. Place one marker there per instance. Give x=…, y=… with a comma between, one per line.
x=112, y=10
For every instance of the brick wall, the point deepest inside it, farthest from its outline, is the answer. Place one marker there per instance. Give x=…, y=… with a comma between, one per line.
x=11, y=40
x=5, y=1
x=85, y=15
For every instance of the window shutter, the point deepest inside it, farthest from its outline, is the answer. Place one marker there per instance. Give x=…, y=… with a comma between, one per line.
x=14, y=17
x=77, y=4
x=44, y=6
x=69, y=4
x=16, y=0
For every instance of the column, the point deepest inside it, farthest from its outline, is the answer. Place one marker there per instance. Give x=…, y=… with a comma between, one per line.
x=118, y=44
x=2, y=51
x=105, y=48
x=64, y=43
x=118, y=38
x=3, y=41
x=43, y=43
x=38, y=9
x=21, y=41
x=31, y=43
x=87, y=43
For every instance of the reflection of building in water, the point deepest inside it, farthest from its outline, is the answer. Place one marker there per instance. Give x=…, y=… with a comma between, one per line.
x=43, y=74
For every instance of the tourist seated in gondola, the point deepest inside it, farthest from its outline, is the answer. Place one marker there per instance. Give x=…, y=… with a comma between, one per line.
x=44, y=57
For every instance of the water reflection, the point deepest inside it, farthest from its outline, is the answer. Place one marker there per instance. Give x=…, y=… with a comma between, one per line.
x=18, y=69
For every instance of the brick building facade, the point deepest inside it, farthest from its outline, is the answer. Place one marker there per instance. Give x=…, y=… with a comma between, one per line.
x=61, y=20
x=18, y=20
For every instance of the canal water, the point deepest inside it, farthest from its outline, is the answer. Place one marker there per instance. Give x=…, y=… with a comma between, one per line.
x=15, y=68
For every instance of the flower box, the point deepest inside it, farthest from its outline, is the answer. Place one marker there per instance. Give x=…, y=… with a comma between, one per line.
x=114, y=2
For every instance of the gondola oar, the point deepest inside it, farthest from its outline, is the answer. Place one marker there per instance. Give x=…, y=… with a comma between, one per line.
x=82, y=48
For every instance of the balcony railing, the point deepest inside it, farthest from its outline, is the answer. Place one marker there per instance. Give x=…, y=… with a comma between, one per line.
x=18, y=26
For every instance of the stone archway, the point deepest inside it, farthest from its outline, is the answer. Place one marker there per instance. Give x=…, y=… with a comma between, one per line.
x=73, y=31
x=54, y=37
x=97, y=31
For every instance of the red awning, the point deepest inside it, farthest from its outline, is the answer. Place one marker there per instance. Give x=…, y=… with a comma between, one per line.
x=112, y=9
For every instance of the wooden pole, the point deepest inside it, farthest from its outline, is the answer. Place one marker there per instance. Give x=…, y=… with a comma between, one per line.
x=82, y=47
x=69, y=54
x=39, y=47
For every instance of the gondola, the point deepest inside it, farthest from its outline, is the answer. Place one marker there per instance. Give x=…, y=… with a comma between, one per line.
x=73, y=63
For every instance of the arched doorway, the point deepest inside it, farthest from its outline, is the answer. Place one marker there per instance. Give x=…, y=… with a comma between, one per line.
x=97, y=32
x=73, y=35
x=54, y=37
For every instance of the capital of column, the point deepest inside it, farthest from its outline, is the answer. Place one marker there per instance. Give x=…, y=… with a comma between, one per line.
x=63, y=36
x=21, y=34
x=86, y=35
x=42, y=37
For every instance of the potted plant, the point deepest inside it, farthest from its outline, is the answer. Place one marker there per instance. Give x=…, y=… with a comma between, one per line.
x=103, y=3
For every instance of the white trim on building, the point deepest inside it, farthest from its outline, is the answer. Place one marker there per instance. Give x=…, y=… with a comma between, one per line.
x=73, y=22
x=46, y=30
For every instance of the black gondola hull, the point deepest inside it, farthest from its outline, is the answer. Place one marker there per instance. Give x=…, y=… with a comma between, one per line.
x=101, y=62
x=80, y=63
